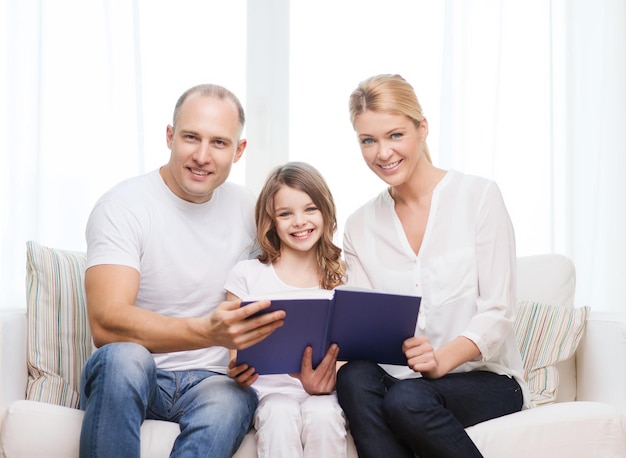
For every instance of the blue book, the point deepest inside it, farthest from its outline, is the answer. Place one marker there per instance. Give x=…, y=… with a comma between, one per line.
x=365, y=324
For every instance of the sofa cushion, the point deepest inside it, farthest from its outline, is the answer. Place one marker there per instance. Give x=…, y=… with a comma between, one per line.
x=59, y=338
x=546, y=335
x=551, y=279
x=563, y=429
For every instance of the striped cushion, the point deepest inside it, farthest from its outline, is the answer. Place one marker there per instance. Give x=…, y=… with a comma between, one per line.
x=547, y=335
x=59, y=338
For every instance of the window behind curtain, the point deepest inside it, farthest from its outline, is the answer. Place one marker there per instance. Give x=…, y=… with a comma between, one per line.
x=92, y=89
x=482, y=79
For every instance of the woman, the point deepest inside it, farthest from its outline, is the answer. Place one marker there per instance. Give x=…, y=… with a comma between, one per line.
x=448, y=238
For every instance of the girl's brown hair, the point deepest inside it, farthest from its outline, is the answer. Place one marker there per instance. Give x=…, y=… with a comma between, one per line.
x=389, y=94
x=305, y=178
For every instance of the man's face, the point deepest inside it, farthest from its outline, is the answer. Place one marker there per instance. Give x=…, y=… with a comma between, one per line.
x=204, y=144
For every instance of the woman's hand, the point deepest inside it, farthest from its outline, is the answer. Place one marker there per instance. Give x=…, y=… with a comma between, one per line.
x=320, y=380
x=431, y=363
x=421, y=356
x=242, y=374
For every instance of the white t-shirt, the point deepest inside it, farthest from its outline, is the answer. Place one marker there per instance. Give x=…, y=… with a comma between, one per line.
x=465, y=270
x=251, y=279
x=182, y=250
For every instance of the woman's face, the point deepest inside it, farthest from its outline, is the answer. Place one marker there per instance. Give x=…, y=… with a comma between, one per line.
x=391, y=144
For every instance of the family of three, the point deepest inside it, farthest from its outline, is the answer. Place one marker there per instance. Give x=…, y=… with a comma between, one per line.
x=170, y=254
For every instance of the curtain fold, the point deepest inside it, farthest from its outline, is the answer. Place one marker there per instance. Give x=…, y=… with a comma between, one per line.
x=531, y=94
x=71, y=123
x=596, y=143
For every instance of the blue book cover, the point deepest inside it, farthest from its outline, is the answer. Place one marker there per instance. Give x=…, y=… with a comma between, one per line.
x=365, y=324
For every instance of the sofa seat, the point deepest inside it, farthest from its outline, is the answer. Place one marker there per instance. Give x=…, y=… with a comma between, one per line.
x=568, y=429
x=587, y=419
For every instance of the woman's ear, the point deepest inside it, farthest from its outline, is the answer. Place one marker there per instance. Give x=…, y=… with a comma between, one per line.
x=424, y=127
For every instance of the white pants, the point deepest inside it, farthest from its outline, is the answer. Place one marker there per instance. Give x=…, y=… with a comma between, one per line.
x=290, y=423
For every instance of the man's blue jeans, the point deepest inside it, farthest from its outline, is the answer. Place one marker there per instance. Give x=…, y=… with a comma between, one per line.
x=427, y=417
x=121, y=387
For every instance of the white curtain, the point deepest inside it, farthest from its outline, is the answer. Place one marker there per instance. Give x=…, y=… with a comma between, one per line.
x=529, y=93
x=71, y=125
x=596, y=150
x=91, y=86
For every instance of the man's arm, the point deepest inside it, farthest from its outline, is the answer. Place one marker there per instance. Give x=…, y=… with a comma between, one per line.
x=111, y=293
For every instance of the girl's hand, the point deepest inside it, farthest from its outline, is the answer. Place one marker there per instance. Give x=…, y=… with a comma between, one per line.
x=320, y=380
x=421, y=356
x=242, y=374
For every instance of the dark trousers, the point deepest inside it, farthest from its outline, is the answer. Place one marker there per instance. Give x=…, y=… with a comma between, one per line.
x=401, y=418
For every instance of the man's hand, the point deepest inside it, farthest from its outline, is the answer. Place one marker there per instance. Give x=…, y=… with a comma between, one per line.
x=320, y=380
x=230, y=324
x=111, y=292
x=242, y=374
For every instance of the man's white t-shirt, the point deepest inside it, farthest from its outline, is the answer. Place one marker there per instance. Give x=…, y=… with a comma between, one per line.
x=182, y=250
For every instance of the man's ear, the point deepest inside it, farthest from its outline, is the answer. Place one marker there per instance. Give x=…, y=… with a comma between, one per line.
x=169, y=136
x=240, y=149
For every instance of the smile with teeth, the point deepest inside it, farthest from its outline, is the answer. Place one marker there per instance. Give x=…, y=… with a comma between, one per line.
x=198, y=172
x=389, y=166
x=302, y=233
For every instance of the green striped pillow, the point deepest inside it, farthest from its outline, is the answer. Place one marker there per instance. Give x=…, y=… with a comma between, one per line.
x=547, y=335
x=59, y=338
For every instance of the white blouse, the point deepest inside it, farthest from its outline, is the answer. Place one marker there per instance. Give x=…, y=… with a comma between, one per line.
x=464, y=271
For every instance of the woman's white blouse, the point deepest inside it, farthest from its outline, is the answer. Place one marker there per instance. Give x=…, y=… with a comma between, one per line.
x=464, y=271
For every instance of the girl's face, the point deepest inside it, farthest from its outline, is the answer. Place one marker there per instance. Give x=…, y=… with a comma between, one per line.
x=391, y=144
x=299, y=223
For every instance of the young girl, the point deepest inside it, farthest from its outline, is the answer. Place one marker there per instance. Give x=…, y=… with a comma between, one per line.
x=298, y=415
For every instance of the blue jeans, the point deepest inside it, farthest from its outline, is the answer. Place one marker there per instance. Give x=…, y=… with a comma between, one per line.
x=121, y=387
x=427, y=417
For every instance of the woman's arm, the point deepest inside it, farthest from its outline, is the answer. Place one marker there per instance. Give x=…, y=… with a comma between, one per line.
x=496, y=270
x=431, y=363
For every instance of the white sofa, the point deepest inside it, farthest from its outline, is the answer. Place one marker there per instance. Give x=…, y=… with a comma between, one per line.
x=586, y=421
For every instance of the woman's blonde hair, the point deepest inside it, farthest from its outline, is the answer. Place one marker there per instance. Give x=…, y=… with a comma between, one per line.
x=305, y=178
x=389, y=94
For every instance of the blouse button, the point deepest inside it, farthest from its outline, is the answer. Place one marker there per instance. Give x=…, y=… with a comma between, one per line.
x=421, y=321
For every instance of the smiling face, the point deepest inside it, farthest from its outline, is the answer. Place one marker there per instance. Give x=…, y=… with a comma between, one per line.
x=391, y=144
x=204, y=143
x=299, y=223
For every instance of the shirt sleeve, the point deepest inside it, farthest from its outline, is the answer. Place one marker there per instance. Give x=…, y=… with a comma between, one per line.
x=495, y=259
x=236, y=282
x=355, y=273
x=113, y=235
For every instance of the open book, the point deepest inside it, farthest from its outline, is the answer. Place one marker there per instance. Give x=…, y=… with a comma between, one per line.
x=366, y=324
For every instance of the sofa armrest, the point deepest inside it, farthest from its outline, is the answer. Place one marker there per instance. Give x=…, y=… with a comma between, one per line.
x=601, y=360
x=13, y=370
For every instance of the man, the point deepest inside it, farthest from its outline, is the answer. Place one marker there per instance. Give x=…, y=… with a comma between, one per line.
x=159, y=248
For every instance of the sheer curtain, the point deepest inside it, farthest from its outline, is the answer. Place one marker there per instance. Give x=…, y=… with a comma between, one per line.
x=596, y=150
x=484, y=83
x=529, y=93
x=90, y=88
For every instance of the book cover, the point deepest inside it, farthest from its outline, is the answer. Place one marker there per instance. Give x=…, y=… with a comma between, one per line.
x=365, y=324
